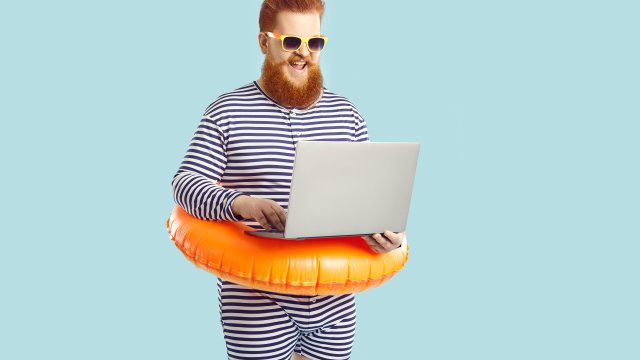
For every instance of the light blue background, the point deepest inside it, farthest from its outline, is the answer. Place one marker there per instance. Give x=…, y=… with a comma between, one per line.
x=524, y=223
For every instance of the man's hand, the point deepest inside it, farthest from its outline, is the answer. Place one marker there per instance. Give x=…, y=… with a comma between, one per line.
x=384, y=243
x=265, y=211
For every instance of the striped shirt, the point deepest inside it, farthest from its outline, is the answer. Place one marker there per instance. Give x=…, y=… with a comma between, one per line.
x=245, y=145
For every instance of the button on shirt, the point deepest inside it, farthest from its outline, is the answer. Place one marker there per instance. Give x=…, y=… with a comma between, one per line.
x=245, y=145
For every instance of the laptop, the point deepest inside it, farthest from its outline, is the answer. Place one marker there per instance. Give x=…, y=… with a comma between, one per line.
x=348, y=188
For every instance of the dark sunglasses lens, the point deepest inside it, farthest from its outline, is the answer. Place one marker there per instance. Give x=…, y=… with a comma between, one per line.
x=291, y=43
x=316, y=44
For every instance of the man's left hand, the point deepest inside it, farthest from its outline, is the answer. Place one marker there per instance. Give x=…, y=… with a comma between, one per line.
x=382, y=243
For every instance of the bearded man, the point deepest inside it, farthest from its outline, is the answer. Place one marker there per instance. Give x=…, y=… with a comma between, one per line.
x=238, y=167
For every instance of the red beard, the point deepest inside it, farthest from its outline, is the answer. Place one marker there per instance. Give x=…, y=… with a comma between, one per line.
x=286, y=93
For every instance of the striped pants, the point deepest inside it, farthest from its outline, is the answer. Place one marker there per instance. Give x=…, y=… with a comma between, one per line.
x=264, y=325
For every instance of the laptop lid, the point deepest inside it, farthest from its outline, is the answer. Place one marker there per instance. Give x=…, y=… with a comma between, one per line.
x=350, y=188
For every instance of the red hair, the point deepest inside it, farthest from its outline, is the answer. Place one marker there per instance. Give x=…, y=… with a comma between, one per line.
x=271, y=8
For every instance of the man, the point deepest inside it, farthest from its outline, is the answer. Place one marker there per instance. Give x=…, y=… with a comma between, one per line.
x=238, y=167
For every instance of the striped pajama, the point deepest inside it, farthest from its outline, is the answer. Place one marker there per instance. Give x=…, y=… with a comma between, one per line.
x=245, y=144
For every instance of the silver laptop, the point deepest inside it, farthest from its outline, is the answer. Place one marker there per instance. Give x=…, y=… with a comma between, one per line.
x=348, y=188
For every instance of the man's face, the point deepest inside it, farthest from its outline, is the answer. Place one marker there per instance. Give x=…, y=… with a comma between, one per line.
x=289, y=23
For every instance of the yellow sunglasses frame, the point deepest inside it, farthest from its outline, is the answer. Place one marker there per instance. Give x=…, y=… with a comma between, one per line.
x=305, y=40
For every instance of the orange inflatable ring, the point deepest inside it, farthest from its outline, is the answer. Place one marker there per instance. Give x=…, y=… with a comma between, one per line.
x=326, y=266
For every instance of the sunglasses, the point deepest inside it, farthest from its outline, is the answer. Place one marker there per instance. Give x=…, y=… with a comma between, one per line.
x=293, y=43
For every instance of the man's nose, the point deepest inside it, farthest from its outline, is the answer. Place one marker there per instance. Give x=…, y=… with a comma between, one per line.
x=303, y=50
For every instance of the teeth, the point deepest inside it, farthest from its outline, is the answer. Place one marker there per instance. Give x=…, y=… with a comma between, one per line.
x=298, y=62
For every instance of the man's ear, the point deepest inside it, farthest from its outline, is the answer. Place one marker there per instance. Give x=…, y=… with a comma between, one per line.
x=263, y=41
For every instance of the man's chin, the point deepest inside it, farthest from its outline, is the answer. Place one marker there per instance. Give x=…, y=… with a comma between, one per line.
x=296, y=78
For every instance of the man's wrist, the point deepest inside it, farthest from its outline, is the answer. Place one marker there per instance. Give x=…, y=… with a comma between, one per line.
x=236, y=205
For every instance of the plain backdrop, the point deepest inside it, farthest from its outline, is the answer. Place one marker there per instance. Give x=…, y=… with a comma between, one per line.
x=524, y=224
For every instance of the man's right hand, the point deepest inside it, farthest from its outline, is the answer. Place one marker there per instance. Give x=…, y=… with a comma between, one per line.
x=265, y=211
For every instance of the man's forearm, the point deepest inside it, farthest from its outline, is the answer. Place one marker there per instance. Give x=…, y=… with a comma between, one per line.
x=203, y=198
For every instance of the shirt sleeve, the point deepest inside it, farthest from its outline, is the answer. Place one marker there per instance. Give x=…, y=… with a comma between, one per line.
x=196, y=185
x=361, y=132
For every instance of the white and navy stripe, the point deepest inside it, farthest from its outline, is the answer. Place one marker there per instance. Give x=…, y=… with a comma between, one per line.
x=245, y=144
x=266, y=325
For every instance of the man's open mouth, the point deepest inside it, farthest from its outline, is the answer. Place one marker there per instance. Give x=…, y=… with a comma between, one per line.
x=298, y=65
